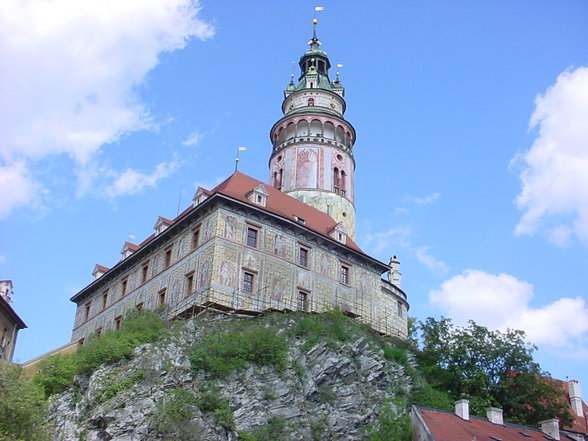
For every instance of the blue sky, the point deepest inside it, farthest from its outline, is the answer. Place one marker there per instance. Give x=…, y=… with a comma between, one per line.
x=472, y=154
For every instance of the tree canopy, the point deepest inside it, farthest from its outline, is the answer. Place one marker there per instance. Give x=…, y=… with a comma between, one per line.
x=491, y=368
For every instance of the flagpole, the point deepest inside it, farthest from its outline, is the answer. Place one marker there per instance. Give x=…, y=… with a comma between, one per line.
x=239, y=149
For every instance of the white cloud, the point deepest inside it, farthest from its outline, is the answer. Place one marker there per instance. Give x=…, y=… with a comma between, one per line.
x=431, y=262
x=502, y=301
x=382, y=240
x=554, y=193
x=69, y=72
x=17, y=188
x=131, y=181
x=424, y=200
x=193, y=139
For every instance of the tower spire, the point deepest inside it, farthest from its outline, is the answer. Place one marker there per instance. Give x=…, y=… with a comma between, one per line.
x=314, y=42
x=312, y=156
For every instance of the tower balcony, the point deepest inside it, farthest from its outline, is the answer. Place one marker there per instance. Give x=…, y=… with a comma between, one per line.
x=317, y=139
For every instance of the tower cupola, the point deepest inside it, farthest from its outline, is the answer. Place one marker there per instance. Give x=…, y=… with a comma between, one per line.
x=312, y=155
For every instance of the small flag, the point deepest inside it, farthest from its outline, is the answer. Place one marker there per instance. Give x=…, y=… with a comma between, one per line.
x=319, y=8
x=242, y=148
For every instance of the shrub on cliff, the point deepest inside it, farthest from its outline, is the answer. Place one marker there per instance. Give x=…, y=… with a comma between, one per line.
x=137, y=328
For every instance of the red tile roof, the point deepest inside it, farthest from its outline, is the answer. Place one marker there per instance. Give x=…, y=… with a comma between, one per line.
x=238, y=185
x=131, y=246
x=100, y=268
x=446, y=426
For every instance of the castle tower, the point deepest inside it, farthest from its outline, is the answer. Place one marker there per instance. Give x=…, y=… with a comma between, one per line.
x=312, y=154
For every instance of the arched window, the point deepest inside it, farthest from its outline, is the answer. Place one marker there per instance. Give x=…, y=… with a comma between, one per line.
x=336, y=179
x=280, y=178
x=316, y=128
x=339, y=134
x=311, y=101
x=302, y=128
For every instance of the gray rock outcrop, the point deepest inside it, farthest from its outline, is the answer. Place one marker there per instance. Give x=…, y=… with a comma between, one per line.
x=327, y=392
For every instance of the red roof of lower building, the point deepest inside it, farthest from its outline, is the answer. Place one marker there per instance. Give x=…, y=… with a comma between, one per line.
x=447, y=426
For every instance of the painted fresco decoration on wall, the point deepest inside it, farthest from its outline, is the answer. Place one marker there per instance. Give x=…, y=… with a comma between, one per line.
x=227, y=273
x=307, y=167
x=230, y=227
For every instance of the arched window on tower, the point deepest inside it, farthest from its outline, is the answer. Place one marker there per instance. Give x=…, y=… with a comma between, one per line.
x=339, y=178
x=280, y=179
x=311, y=101
x=336, y=179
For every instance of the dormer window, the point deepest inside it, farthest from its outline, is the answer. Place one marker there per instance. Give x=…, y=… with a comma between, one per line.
x=299, y=220
x=200, y=196
x=338, y=233
x=128, y=249
x=161, y=225
x=98, y=272
x=258, y=195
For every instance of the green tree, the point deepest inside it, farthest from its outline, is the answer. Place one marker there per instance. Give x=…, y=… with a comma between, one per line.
x=492, y=368
x=22, y=406
x=56, y=373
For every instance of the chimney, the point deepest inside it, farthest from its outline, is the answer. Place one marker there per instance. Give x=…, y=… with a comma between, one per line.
x=462, y=409
x=550, y=427
x=494, y=415
x=576, y=397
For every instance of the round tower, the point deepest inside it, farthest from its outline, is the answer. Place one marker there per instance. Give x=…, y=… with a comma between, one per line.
x=312, y=155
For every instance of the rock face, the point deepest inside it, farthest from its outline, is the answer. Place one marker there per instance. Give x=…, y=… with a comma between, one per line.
x=327, y=392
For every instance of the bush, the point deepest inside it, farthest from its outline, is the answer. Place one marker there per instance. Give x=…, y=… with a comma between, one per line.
x=395, y=354
x=173, y=415
x=112, y=388
x=56, y=373
x=426, y=395
x=275, y=429
x=211, y=401
x=332, y=327
x=138, y=327
x=221, y=354
x=393, y=424
x=22, y=406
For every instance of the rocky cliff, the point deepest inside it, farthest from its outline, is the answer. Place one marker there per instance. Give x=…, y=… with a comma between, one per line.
x=292, y=377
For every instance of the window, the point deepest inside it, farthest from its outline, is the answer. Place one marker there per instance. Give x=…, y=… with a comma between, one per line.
x=195, y=237
x=248, y=282
x=344, y=275
x=161, y=297
x=87, y=313
x=144, y=272
x=400, y=309
x=302, y=301
x=311, y=101
x=189, y=283
x=117, y=322
x=168, y=256
x=124, y=285
x=303, y=255
x=252, y=237
x=104, y=299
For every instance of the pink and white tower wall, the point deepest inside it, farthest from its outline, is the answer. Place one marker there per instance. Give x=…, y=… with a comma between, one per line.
x=312, y=155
